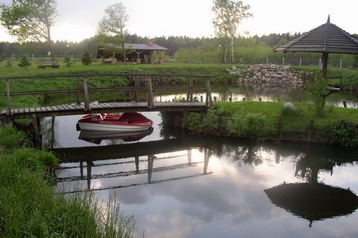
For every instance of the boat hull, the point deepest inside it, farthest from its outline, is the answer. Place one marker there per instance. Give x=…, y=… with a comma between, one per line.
x=126, y=122
x=112, y=127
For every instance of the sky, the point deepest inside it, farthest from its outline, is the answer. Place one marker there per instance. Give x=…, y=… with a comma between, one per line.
x=78, y=19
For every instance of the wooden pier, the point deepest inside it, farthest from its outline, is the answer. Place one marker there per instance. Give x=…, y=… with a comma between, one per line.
x=141, y=84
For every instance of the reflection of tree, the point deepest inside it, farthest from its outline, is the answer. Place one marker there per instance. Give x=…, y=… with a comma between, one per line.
x=48, y=132
x=308, y=167
x=247, y=153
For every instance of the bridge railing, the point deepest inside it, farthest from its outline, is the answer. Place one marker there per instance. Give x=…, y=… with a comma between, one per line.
x=138, y=83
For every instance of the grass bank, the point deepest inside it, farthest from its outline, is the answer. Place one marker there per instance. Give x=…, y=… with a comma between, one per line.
x=276, y=121
x=30, y=208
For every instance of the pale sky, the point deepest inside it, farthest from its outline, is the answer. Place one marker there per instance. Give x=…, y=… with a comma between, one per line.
x=78, y=19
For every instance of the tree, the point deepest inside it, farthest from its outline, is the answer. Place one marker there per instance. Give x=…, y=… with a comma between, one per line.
x=86, y=58
x=228, y=15
x=30, y=20
x=24, y=62
x=112, y=27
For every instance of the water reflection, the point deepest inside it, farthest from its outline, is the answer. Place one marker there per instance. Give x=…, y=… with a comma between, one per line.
x=115, y=137
x=313, y=200
x=108, y=157
x=161, y=183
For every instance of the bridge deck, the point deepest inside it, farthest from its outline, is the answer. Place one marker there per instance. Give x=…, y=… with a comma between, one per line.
x=74, y=109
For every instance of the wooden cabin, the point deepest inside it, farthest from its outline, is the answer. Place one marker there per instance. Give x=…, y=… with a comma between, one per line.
x=134, y=53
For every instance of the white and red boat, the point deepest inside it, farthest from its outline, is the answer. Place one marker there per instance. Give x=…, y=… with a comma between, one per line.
x=128, y=121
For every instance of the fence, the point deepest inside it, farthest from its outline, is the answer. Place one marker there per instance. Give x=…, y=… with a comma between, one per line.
x=335, y=63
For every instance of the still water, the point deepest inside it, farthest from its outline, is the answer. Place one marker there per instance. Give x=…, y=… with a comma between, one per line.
x=178, y=185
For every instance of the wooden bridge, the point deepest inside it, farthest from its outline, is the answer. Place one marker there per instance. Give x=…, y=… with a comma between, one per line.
x=141, y=91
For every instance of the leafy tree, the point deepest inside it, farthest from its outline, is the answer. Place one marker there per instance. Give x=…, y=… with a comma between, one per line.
x=86, y=59
x=112, y=28
x=228, y=15
x=30, y=20
x=24, y=62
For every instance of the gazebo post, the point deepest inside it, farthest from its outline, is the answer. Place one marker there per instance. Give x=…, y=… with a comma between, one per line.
x=324, y=64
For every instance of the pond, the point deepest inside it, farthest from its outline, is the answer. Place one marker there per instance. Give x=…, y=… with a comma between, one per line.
x=177, y=185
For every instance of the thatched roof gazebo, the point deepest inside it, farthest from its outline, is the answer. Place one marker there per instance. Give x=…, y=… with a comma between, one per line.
x=325, y=39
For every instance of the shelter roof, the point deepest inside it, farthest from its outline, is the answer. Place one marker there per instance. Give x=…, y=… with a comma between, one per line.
x=327, y=38
x=136, y=46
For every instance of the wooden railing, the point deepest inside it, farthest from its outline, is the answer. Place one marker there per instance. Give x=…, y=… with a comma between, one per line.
x=141, y=83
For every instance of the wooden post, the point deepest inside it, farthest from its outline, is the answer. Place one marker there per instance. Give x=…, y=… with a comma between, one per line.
x=36, y=125
x=206, y=160
x=78, y=91
x=150, y=94
x=85, y=90
x=209, y=100
x=89, y=173
x=9, y=111
x=136, y=92
x=136, y=159
x=150, y=167
x=190, y=92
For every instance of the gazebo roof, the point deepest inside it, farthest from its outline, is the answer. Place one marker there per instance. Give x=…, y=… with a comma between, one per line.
x=150, y=46
x=136, y=46
x=327, y=38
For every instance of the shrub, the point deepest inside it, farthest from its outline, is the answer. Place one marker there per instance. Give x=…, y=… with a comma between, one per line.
x=251, y=125
x=86, y=59
x=342, y=133
x=24, y=62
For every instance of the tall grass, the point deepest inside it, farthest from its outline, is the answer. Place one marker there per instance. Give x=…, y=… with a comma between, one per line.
x=30, y=208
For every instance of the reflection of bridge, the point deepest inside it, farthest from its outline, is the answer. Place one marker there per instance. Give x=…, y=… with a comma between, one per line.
x=86, y=84
x=105, y=158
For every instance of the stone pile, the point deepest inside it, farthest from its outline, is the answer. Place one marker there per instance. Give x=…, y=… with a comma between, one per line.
x=268, y=75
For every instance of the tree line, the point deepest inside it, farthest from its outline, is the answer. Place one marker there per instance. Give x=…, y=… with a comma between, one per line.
x=30, y=21
x=251, y=50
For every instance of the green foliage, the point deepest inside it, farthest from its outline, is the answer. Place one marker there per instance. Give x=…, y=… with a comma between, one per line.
x=251, y=125
x=265, y=120
x=191, y=121
x=11, y=139
x=28, y=207
x=318, y=92
x=67, y=61
x=86, y=58
x=24, y=62
x=342, y=133
x=30, y=20
x=211, y=123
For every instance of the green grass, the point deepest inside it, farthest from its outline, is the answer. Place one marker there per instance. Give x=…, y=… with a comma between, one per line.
x=272, y=121
x=29, y=207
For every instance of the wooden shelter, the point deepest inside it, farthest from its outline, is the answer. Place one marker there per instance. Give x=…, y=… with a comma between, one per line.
x=325, y=39
x=131, y=52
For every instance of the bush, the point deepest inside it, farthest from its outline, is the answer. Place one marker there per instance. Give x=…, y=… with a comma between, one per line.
x=24, y=62
x=342, y=133
x=86, y=59
x=251, y=125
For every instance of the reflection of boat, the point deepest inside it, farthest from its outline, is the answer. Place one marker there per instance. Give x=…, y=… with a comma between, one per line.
x=313, y=201
x=128, y=121
x=331, y=87
x=97, y=136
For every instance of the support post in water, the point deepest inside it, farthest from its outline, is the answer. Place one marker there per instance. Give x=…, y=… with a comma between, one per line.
x=85, y=90
x=9, y=111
